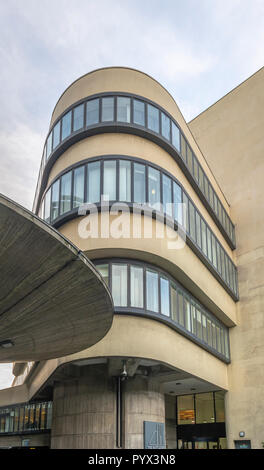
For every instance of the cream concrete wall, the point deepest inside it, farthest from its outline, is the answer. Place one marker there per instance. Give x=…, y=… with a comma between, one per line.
x=133, y=146
x=148, y=339
x=142, y=401
x=35, y=440
x=231, y=135
x=182, y=263
x=131, y=81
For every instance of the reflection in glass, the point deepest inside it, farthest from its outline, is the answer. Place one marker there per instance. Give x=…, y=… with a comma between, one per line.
x=153, y=118
x=152, y=291
x=125, y=180
x=66, y=182
x=55, y=200
x=48, y=145
x=177, y=197
x=47, y=206
x=139, y=112
x=56, y=135
x=174, y=304
x=78, y=116
x=136, y=286
x=139, y=183
x=123, y=109
x=165, y=126
x=92, y=112
x=185, y=407
x=110, y=179
x=204, y=408
x=78, y=186
x=165, y=296
x=154, y=187
x=93, y=180
x=104, y=271
x=107, y=109
x=175, y=136
x=119, y=284
x=167, y=195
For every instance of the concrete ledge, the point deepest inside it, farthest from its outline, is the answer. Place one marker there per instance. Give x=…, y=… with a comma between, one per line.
x=52, y=299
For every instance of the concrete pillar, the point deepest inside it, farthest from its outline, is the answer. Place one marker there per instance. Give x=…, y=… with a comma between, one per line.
x=142, y=401
x=84, y=411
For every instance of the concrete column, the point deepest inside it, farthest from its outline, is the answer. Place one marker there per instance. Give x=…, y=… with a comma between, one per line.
x=84, y=411
x=142, y=401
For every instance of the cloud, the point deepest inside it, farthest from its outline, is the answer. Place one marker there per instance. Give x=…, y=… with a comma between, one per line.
x=6, y=376
x=20, y=153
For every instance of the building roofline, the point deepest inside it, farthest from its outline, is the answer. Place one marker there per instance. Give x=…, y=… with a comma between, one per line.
x=226, y=94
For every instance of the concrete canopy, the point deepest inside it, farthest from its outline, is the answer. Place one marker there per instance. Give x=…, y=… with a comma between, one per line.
x=53, y=302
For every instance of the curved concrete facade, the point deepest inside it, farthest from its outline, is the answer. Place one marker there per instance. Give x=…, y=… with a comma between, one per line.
x=157, y=354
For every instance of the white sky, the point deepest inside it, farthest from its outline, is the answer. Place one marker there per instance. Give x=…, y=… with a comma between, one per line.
x=198, y=49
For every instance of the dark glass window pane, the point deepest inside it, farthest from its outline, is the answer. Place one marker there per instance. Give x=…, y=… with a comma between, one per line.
x=78, y=116
x=136, y=286
x=204, y=408
x=209, y=244
x=152, y=291
x=139, y=183
x=93, y=180
x=204, y=245
x=124, y=180
x=214, y=251
x=193, y=319
x=110, y=179
x=177, y=198
x=107, y=109
x=201, y=179
x=175, y=136
x=119, y=284
x=185, y=407
x=165, y=296
x=199, y=324
x=78, y=187
x=167, y=196
x=198, y=230
x=56, y=135
x=154, y=187
x=183, y=149
x=189, y=159
x=66, y=125
x=165, y=126
x=187, y=314
x=123, y=109
x=66, y=185
x=55, y=200
x=220, y=407
x=92, y=112
x=181, y=308
x=185, y=212
x=174, y=304
x=195, y=169
x=47, y=206
x=139, y=112
x=192, y=221
x=153, y=118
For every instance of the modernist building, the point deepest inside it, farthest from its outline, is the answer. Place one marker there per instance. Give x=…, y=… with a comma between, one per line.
x=182, y=364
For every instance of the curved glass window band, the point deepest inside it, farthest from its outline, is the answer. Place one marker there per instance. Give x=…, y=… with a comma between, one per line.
x=164, y=192
x=144, y=289
x=148, y=116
